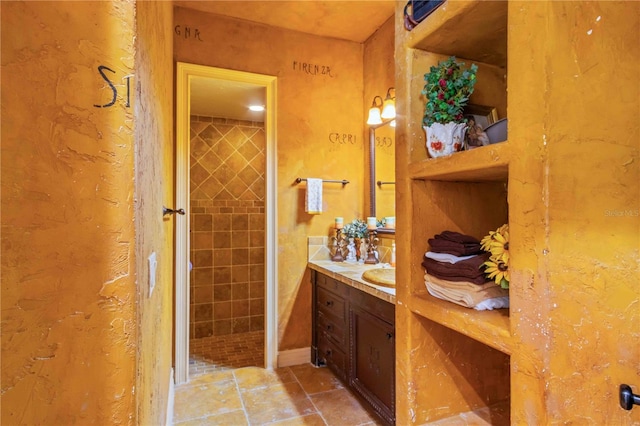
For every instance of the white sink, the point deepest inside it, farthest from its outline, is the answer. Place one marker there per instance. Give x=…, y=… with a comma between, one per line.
x=385, y=277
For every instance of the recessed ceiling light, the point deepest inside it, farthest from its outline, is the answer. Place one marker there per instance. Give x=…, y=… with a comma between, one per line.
x=256, y=107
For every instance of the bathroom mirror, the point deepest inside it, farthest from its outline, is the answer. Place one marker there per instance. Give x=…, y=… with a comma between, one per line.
x=382, y=189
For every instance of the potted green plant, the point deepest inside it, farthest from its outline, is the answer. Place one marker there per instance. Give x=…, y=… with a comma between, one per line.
x=355, y=232
x=447, y=89
x=356, y=229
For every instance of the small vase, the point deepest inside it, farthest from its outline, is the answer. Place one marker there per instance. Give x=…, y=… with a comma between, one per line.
x=444, y=139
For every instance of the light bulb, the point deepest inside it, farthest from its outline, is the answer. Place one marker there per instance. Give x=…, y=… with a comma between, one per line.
x=389, y=109
x=374, y=116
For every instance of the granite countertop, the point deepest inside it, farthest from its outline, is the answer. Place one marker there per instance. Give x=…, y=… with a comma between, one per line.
x=351, y=275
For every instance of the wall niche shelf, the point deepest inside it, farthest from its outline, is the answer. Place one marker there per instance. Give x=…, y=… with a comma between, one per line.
x=531, y=357
x=472, y=30
x=488, y=163
x=465, y=192
x=488, y=327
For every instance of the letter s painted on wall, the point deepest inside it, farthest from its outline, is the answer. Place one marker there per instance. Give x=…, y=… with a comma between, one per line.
x=101, y=69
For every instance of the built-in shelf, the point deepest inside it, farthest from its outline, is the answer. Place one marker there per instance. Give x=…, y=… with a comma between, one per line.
x=451, y=349
x=488, y=163
x=475, y=30
x=491, y=328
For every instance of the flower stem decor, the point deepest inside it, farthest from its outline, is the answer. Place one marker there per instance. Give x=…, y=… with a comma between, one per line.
x=497, y=267
x=447, y=89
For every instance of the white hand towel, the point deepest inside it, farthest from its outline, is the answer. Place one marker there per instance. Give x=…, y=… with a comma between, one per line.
x=448, y=258
x=313, y=201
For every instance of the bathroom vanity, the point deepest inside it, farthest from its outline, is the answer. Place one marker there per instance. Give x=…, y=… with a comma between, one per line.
x=354, y=335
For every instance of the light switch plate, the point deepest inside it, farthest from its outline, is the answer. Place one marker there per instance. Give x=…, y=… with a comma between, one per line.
x=153, y=266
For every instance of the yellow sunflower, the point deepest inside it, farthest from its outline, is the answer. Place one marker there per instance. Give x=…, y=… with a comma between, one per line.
x=495, y=236
x=497, y=271
x=497, y=267
x=499, y=247
x=485, y=243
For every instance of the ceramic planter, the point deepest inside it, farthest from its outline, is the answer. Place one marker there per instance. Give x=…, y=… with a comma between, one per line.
x=444, y=139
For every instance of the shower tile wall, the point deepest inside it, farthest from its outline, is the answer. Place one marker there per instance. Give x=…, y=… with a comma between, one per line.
x=227, y=226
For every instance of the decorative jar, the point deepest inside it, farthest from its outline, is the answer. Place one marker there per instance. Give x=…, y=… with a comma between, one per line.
x=445, y=139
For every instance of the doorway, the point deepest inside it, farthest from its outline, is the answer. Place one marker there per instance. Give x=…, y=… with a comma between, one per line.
x=223, y=192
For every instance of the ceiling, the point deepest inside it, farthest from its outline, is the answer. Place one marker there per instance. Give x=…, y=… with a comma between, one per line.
x=226, y=99
x=352, y=20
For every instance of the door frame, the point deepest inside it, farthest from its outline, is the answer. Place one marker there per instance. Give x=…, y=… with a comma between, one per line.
x=184, y=74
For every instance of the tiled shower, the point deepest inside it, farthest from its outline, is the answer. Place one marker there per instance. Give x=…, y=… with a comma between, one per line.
x=227, y=187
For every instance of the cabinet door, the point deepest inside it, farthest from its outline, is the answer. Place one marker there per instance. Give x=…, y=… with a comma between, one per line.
x=372, y=359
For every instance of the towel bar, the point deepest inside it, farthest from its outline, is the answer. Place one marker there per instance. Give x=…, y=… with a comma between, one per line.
x=343, y=181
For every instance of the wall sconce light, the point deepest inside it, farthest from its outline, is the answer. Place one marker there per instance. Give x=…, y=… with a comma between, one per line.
x=375, y=116
x=389, y=105
x=382, y=109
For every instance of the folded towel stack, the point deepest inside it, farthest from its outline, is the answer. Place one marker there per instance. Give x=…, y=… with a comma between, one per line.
x=470, y=270
x=486, y=296
x=455, y=272
x=455, y=243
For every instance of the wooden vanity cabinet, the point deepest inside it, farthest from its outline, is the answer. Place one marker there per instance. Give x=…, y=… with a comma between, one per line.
x=354, y=335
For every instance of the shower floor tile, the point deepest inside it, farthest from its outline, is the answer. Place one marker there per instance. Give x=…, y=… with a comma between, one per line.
x=228, y=352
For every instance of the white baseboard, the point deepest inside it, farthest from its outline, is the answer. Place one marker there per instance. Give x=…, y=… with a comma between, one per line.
x=294, y=357
x=171, y=399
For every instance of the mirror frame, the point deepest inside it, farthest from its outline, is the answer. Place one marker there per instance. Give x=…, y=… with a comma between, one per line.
x=372, y=170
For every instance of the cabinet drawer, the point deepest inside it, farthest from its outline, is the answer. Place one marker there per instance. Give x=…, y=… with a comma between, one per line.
x=331, y=304
x=335, y=330
x=373, y=305
x=333, y=358
x=330, y=284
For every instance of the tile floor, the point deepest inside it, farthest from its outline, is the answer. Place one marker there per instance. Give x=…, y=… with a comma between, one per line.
x=297, y=395
x=230, y=351
x=228, y=387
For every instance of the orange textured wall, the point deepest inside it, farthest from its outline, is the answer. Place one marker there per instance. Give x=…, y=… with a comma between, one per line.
x=154, y=188
x=68, y=243
x=574, y=210
x=319, y=125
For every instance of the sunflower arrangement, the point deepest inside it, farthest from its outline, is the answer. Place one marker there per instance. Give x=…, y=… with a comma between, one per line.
x=497, y=267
